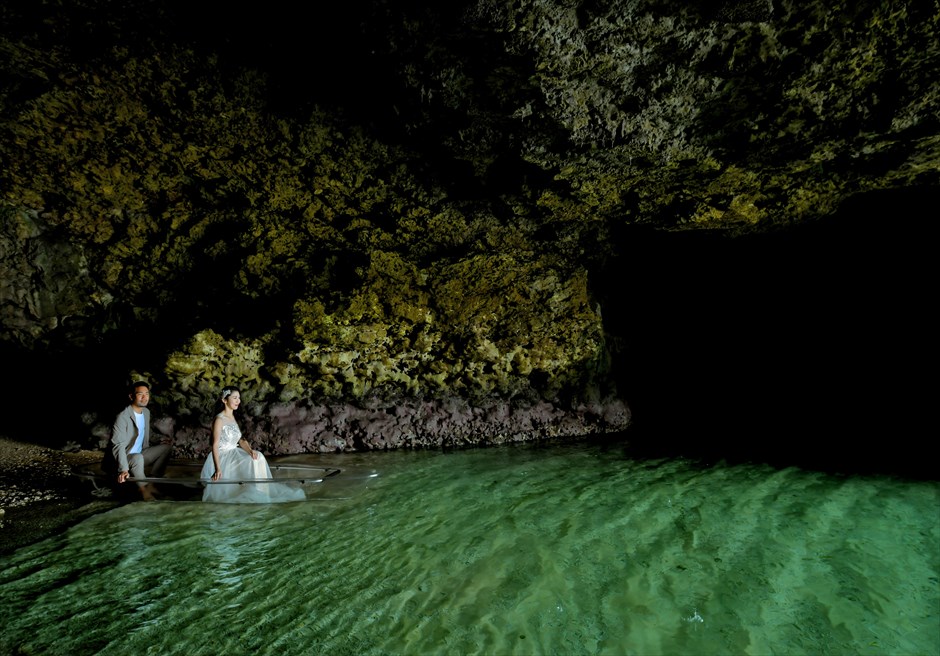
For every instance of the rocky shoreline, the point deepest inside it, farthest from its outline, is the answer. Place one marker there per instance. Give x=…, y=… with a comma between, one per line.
x=38, y=495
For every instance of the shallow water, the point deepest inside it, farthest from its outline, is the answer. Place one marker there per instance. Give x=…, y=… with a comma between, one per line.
x=573, y=549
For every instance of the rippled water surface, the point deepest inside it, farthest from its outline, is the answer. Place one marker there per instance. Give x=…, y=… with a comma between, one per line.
x=516, y=550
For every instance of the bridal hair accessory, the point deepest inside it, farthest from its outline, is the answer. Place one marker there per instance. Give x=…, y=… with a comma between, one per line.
x=225, y=393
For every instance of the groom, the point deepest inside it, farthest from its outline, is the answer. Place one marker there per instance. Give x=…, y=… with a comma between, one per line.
x=130, y=450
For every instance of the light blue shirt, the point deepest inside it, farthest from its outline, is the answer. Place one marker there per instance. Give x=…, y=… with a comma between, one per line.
x=139, y=442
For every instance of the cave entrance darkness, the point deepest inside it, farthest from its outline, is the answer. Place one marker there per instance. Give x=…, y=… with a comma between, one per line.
x=798, y=347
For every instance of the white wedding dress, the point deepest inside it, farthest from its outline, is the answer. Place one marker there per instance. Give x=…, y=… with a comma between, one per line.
x=237, y=465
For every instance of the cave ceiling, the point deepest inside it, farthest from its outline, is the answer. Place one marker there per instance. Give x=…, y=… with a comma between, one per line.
x=422, y=195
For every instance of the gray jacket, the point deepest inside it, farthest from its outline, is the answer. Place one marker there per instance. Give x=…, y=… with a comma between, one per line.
x=124, y=434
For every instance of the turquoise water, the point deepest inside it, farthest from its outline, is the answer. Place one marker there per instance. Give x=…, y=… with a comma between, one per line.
x=574, y=549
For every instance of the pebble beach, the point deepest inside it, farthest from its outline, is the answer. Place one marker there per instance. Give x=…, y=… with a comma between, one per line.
x=38, y=494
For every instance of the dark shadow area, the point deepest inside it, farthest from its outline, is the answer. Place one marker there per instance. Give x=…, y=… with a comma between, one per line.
x=803, y=347
x=53, y=389
x=312, y=55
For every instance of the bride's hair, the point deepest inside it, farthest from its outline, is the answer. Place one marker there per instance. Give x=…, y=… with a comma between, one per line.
x=226, y=392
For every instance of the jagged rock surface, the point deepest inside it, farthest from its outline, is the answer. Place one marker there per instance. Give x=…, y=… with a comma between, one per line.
x=431, y=267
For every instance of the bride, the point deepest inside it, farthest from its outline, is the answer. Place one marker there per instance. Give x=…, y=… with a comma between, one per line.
x=232, y=459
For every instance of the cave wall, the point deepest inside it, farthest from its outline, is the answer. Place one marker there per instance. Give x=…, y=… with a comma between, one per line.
x=477, y=222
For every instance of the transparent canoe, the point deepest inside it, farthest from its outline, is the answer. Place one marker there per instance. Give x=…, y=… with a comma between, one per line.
x=181, y=480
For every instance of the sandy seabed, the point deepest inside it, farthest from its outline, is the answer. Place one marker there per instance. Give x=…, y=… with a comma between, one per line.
x=39, y=496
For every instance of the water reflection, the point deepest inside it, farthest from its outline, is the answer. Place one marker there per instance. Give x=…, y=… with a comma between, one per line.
x=517, y=550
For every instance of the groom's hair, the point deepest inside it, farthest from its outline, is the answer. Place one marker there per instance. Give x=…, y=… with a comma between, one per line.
x=135, y=385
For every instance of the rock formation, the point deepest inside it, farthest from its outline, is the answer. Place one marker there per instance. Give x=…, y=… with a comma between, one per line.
x=404, y=225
